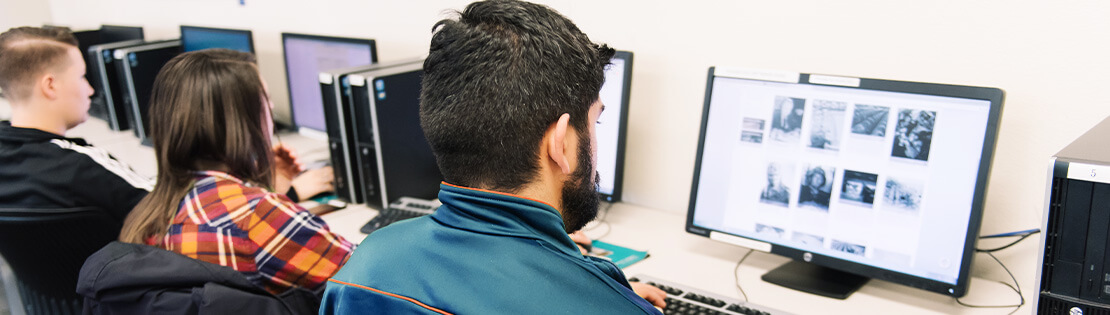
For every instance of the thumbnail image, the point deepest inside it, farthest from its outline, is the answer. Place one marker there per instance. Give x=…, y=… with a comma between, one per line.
x=854, y=249
x=914, y=134
x=754, y=124
x=809, y=240
x=870, y=120
x=786, y=124
x=817, y=187
x=769, y=231
x=751, y=136
x=903, y=195
x=859, y=188
x=774, y=191
x=826, y=118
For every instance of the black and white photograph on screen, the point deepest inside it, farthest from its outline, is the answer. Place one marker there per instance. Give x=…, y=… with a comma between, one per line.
x=914, y=134
x=858, y=188
x=786, y=122
x=775, y=192
x=816, y=188
x=754, y=124
x=809, y=240
x=870, y=120
x=902, y=195
x=826, y=120
x=769, y=231
x=854, y=249
x=751, y=136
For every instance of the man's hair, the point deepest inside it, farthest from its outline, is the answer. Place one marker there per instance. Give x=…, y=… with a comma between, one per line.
x=495, y=79
x=26, y=52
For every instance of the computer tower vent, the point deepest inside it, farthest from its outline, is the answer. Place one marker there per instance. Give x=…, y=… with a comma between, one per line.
x=1056, y=205
x=1051, y=304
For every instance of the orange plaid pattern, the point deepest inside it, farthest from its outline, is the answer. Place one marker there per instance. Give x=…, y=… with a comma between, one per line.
x=270, y=239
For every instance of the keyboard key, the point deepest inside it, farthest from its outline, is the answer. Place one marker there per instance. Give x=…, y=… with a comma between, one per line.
x=685, y=300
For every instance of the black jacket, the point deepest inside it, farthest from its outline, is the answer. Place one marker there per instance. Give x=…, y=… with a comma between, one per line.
x=125, y=278
x=39, y=169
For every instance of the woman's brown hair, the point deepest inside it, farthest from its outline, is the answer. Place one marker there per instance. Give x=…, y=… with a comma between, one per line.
x=207, y=111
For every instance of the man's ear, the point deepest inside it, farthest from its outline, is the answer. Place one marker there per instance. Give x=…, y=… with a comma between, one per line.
x=557, y=145
x=47, y=85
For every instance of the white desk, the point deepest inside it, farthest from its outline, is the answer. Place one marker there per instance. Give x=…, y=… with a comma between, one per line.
x=696, y=261
x=675, y=255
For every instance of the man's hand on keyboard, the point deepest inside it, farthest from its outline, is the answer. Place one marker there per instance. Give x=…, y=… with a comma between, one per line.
x=652, y=294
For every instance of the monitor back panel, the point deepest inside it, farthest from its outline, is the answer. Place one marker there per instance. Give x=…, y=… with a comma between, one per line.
x=109, y=106
x=138, y=67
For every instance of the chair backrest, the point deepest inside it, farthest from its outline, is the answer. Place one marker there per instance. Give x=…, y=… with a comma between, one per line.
x=46, y=248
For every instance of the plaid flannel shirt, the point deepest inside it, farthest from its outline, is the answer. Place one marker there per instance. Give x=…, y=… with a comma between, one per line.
x=274, y=242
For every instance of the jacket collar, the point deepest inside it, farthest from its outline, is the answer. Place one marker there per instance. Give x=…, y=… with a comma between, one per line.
x=498, y=213
x=17, y=134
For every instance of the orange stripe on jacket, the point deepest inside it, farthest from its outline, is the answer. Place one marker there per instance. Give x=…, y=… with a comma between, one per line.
x=414, y=301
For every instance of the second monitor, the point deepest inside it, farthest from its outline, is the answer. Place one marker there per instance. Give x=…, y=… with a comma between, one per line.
x=196, y=38
x=306, y=56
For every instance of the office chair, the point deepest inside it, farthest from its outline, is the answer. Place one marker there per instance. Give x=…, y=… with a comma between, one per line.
x=45, y=248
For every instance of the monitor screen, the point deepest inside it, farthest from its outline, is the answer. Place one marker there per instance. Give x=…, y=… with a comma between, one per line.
x=612, y=124
x=113, y=33
x=196, y=38
x=878, y=178
x=305, y=58
x=407, y=167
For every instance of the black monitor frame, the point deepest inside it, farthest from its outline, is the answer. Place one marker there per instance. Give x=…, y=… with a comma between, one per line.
x=622, y=134
x=840, y=267
x=289, y=84
x=138, y=66
x=121, y=33
x=250, y=35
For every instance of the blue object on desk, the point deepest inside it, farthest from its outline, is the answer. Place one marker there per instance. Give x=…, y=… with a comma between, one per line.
x=619, y=255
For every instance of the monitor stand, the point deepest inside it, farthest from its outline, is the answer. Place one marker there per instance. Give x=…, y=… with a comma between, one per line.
x=823, y=281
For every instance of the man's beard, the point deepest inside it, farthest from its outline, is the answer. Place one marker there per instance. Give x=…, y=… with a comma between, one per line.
x=580, y=196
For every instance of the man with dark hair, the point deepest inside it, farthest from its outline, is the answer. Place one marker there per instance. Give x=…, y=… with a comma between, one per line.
x=42, y=75
x=509, y=103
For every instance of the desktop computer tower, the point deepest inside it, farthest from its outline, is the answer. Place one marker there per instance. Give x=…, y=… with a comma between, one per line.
x=107, y=102
x=351, y=142
x=137, y=67
x=1074, y=274
x=336, y=97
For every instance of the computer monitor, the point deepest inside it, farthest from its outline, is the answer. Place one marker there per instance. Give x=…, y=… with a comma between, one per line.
x=137, y=67
x=406, y=166
x=115, y=33
x=612, y=125
x=852, y=178
x=308, y=55
x=108, y=102
x=196, y=38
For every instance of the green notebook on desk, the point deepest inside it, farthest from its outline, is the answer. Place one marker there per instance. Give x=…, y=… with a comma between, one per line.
x=619, y=255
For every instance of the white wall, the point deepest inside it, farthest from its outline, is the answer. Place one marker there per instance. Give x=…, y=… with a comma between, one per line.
x=1050, y=57
x=21, y=12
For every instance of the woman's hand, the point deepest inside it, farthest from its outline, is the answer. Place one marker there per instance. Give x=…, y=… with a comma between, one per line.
x=286, y=167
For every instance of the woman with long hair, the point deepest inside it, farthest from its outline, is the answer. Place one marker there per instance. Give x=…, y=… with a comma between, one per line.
x=213, y=198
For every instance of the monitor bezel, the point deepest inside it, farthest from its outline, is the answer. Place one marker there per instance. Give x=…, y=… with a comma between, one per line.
x=111, y=28
x=993, y=95
x=285, y=61
x=250, y=35
x=622, y=134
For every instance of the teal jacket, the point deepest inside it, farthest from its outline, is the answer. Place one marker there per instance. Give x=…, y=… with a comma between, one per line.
x=481, y=252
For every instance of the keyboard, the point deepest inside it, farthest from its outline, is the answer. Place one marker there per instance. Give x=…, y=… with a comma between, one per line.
x=682, y=299
x=404, y=209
